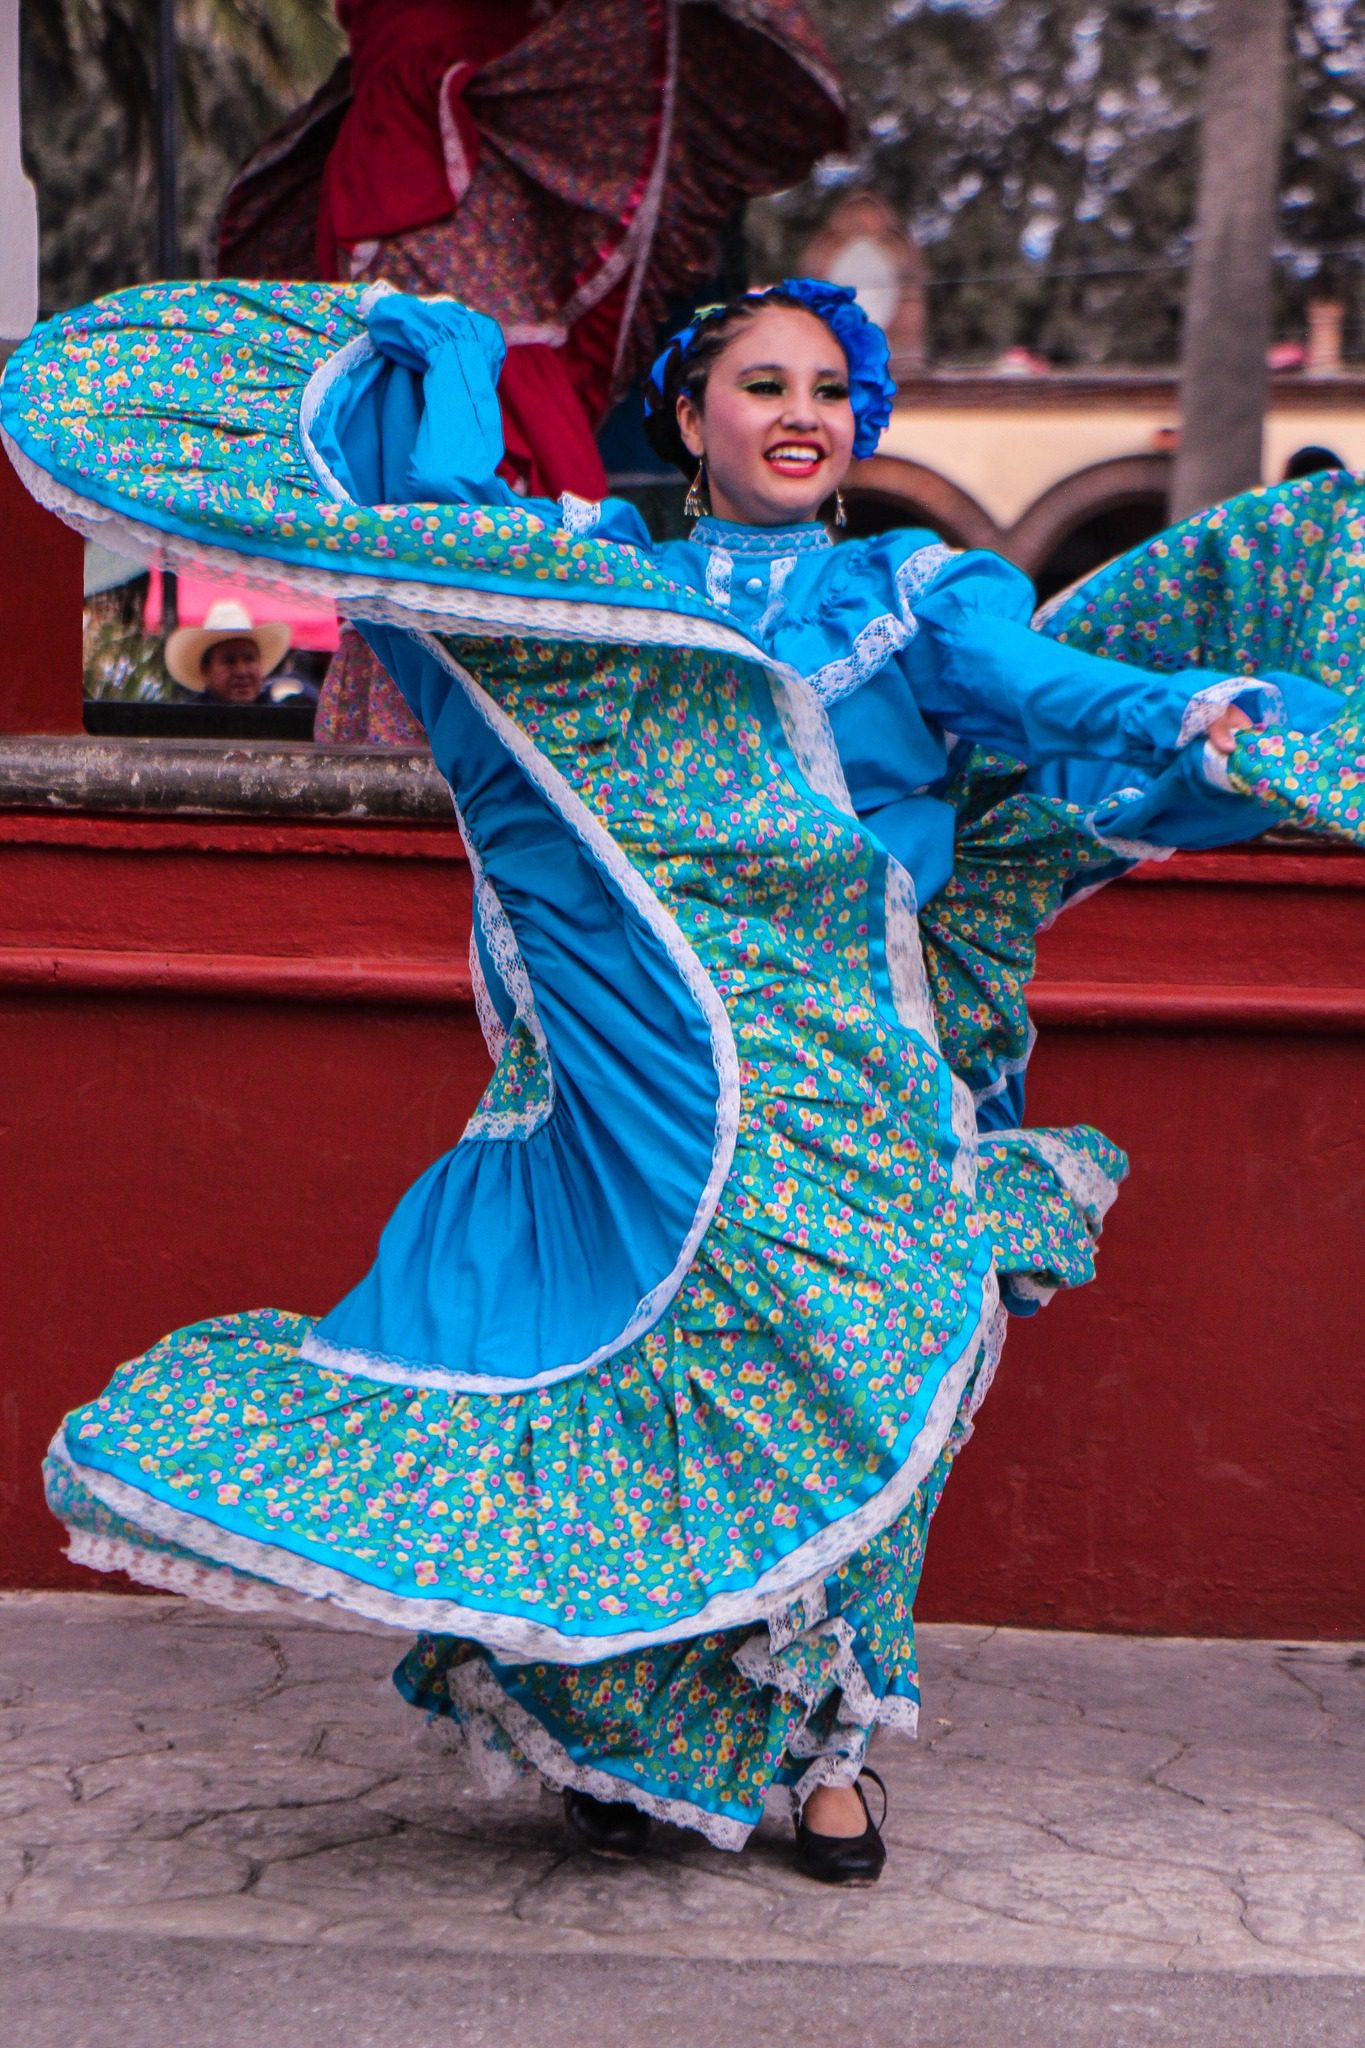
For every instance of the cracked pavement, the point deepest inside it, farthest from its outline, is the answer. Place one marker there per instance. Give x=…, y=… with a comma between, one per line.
x=1112, y=1810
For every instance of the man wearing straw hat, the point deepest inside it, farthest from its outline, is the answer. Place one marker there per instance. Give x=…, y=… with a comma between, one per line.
x=228, y=659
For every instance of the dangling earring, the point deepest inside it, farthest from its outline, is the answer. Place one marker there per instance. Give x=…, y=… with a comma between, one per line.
x=693, y=504
x=840, y=515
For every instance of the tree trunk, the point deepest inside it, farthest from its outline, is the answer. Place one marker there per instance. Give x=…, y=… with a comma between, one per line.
x=1228, y=298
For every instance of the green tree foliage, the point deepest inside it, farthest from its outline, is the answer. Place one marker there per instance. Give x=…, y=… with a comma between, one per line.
x=89, y=109
x=1045, y=157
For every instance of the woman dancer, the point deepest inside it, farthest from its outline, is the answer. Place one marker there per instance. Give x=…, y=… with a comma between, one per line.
x=643, y=1410
x=569, y=166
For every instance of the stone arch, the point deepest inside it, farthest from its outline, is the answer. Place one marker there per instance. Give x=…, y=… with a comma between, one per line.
x=887, y=490
x=1100, y=494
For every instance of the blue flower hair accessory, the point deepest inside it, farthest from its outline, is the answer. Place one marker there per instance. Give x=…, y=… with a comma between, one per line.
x=871, y=391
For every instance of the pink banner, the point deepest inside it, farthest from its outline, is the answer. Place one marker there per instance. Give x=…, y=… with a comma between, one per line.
x=312, y=623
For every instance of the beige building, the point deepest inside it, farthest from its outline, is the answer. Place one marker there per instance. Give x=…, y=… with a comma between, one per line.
x=1057, y=469
x=1060, y=470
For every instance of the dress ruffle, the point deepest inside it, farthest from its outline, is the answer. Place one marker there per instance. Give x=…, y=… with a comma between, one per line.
x=649, y=1500
x=1316, y=781
x=552, y=1456
x=699, y=1732
x=674, y=1425
x=613, y=145
x=1270, y=582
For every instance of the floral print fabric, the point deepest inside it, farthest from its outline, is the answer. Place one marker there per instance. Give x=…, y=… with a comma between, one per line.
x=842, y=1286
x=1273, y=580
x=824, y=1349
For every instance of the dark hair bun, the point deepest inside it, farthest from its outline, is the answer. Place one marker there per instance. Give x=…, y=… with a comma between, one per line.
x=687, y=362
x=661, y=411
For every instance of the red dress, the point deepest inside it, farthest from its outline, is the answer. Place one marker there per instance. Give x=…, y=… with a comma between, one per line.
x=565, y=165
x=407, y=147
x=404, y=158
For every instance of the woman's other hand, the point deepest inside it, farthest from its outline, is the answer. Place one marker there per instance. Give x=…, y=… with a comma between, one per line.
x=1222, y=734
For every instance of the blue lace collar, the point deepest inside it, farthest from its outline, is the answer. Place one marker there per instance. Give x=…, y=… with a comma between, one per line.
x=760, y=540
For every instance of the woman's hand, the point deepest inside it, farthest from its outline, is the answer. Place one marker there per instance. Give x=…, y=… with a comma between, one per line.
x=1222, y=734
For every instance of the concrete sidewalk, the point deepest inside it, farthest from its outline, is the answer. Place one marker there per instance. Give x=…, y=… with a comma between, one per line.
x=217, y=1830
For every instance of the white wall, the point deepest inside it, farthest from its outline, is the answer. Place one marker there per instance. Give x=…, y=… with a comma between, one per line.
x=18, y=203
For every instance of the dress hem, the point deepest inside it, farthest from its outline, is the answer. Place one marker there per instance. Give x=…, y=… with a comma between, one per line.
x=479, y=1705
x=215, y=1551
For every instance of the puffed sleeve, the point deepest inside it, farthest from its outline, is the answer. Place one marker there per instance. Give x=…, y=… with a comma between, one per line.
x=977, y=668
x=417, y=420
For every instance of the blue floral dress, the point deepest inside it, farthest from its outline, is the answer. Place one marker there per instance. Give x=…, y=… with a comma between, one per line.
x=639, y=1418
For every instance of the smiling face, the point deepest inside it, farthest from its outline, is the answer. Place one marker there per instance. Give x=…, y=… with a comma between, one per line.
x=774, y=424
x=232, y=671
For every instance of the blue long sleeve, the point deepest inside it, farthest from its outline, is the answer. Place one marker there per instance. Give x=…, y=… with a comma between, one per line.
x=977, y=668
x=419, y=421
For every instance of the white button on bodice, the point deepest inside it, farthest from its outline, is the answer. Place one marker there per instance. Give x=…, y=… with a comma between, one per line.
x=755, y=584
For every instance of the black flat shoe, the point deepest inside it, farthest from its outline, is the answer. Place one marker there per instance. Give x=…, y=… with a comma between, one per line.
x=608, y=1828
x=843, y=1859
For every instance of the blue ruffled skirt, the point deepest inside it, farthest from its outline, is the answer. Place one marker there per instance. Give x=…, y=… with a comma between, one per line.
x=640, y=1416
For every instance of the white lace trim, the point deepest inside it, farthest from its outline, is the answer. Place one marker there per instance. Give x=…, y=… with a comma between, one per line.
x=778, y=577
x=966, y=1156
x=1215, y=767
x=490, y=1023
x=885, y=635
x=872, y=648
x=1207, y=706
x=1030, y=1289
x=484, y=1704
x=351, y=1363
x=631, y=885
x=920, y=569
x=719, y=570
x=1136, y=850
x=1082, y=1178
x=385, y=600
x=580, y=515
x=508, y=964
x=810, y=737
x=990, y=1359
x=859, y=1706
x=836, y=1758
x=914, y=1004
x=516, y=1637
x=805, y=1610
x=459, y=170
x=1046, y=923
x=479, y=1697
x=504, y=1126
x=315, y=393
x=372, y=294
x=1008, y=1068
x=215, y=1584
x=757, y=542
x=476, y=1737
x=1050, y=606
x=1123, y=849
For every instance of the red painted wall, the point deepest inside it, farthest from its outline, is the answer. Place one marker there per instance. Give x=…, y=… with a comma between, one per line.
x=226, y=1048
x=40, y=613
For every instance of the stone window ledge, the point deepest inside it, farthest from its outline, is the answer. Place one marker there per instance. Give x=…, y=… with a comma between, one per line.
x=253, y=778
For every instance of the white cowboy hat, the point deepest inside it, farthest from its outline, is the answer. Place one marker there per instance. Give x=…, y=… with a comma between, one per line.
x=225, y=620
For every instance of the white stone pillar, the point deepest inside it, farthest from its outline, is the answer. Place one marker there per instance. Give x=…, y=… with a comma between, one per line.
x=18, y=201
